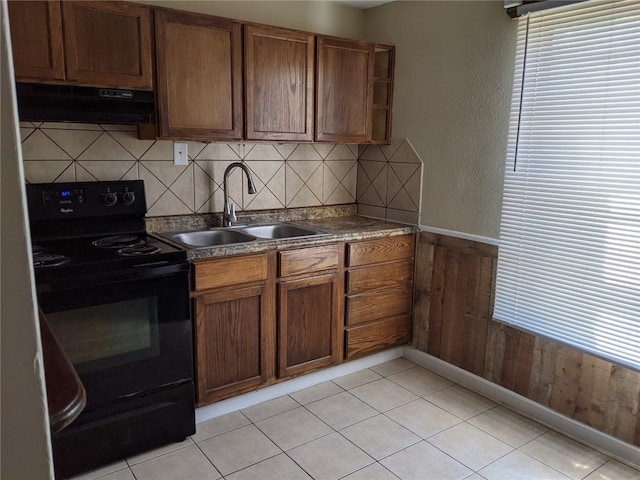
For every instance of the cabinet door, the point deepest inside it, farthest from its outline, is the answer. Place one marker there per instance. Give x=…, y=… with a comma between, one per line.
x=199, y=79
x=307, y=325
x=234, y=342
x=36, y=36
x=344, y=90
x=108, y=44
x=279, y=78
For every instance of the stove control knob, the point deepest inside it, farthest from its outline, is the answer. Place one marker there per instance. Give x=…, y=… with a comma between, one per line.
x=128, y=198
x=110, y=199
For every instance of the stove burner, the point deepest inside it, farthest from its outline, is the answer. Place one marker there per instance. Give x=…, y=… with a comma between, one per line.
x=118, y=241
x=49, y=260
x=139, y=251
x=36, y=249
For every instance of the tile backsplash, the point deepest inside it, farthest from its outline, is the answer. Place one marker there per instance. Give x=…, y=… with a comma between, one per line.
x=389, y=179
x=286, y=175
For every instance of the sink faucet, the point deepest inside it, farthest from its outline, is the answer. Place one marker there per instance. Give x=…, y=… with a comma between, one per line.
x=229, y=213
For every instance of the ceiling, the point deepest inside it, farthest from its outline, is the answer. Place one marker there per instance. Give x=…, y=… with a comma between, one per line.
x=363, y=4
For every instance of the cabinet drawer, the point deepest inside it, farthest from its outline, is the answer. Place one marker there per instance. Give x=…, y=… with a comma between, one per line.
x=380, y=250
x=379, y=276
x=377, y=305
x=373, y=337
x=230, y=271
x=307, y=260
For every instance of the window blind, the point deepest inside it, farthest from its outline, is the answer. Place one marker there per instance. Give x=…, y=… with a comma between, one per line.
x=569, y=255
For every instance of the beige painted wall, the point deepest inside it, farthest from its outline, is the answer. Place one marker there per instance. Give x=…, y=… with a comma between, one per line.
x=324, y=17
x=454, y=71
x=25, y=430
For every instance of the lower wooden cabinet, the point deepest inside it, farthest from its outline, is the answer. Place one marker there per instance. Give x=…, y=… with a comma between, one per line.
x=234, y=313
x=309, y=309
x=307, y=324
x=266, y=317
x=379, y=294
x=263, y=318
x=233, y=344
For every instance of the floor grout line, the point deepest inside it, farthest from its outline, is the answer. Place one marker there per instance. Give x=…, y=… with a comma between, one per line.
x=374, y=461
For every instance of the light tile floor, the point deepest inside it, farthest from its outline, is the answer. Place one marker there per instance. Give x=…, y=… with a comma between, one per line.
x=393, y=421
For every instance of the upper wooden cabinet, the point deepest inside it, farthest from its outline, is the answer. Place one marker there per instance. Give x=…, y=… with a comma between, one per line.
x=36, y=36
x=108, y=43
x=295, y=86
x=344, y=92
x=353, y=87
x=104, y=44
x=279, y=83
x=199, y=73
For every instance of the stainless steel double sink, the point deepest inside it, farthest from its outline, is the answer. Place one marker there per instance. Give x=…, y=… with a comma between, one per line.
x=239, y=234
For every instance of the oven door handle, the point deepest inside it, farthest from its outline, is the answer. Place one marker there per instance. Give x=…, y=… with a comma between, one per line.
x=147, y=271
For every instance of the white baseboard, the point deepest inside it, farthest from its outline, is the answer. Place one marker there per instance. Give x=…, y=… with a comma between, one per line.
x=581, y=432
x=248, y=399
x=609, y=445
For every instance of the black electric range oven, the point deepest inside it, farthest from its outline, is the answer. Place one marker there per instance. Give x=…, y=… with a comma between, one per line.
x=117, y=300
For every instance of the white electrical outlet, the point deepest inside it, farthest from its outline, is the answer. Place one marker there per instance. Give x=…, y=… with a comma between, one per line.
x=180, y=152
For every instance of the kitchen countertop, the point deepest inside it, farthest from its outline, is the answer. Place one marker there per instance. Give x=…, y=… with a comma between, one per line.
x=341, y=225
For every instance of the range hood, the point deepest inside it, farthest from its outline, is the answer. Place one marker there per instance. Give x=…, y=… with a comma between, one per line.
x=64, y=103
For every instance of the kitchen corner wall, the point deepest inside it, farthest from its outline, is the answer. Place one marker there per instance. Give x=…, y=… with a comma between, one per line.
x=286, y=175
x=451, y=97
x=389, y=181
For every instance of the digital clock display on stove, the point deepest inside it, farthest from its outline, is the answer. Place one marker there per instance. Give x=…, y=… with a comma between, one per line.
x=66, y=197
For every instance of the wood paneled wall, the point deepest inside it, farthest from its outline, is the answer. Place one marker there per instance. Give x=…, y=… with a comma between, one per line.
x=452, y=321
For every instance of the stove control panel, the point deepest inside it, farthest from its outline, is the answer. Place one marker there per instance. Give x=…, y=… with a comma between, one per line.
x=63, y=196
x=49, y=201
x=127, y=197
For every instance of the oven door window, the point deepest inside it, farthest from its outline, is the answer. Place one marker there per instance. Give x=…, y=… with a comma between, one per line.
x=110, y=335
x=123, y=337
